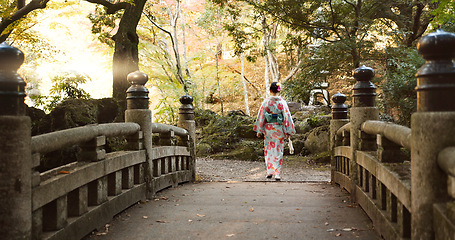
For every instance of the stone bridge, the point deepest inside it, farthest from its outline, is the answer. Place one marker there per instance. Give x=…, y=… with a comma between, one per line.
x=405, y=196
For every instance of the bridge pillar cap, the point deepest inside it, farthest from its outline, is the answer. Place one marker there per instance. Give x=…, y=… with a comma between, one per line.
x=339, y=98
x=12, y=86
x=186, y=99
x=363, y=73
x=339, y=109
x=137, y=78
x=437, y=45
x=137, y=93
x=11, y=58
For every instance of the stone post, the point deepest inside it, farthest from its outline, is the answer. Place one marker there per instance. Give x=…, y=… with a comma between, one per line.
x=364, y=108
x=432, y=129
x=138, y=111
x=15, y=151
x=186, y=121
x=339, y=119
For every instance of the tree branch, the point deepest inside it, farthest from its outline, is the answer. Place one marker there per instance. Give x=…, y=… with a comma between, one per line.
x=6, y=22
x=20, y=4
x=333, y=20
x=158, y=26
x=237, y=71
x=111, y=8
x=350, y=3
x=293, y=71
x=180, y=78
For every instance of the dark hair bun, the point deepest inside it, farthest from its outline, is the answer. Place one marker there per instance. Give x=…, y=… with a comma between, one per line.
x=275, y=87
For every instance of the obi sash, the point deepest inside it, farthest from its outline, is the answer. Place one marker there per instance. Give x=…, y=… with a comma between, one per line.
x=274, y=118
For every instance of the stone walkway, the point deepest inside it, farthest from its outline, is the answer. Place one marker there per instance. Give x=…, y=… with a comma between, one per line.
x=306, y=208
x=230, y=170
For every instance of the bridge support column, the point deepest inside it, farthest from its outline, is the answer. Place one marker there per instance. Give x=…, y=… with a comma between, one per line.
x=364, y=108
x=339, y=119
x=433, y=129
x=15, y=153
x=186, y=121
x=138, y=111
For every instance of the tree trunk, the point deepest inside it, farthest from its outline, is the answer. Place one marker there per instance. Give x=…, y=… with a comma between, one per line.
x=266, y=61
x=273, y=62
x=185, y=59
x=242, y=61
x=218, y=82
x=355, y=57
x=175, y=44
x=126, y=58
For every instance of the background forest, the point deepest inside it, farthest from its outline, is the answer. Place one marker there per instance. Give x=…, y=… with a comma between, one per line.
x=222, y=52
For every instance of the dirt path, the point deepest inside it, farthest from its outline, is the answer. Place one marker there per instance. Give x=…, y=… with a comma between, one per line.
x=293, y=170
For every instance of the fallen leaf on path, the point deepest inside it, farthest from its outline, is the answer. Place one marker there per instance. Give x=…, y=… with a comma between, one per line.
x=338, y=234
x=145, y=217
x=189, y=220
x=326, y=223
x=230, y=235
x=161, y=221
x=251, y=209
x=347, y=229
x=164, y=198
x=64, y=172
x=200, y=215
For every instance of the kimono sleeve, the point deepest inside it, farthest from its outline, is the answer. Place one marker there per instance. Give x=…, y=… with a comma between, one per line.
x=288, y=123
x=259, y=125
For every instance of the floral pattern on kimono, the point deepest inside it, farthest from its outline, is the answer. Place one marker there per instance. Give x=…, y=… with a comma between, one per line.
x=274, y=133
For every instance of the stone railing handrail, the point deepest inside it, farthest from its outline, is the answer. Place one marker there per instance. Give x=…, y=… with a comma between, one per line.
x=446, y=160
x=344, y=128
x=60, y=139
x=398, y=134
x=165, y=128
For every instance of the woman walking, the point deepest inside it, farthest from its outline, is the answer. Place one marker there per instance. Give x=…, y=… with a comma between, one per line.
x=274, y=121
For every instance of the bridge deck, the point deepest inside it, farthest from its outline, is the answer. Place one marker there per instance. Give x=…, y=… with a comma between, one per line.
x=243, y=210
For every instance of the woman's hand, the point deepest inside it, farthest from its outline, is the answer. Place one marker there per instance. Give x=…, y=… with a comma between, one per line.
x=258, y=134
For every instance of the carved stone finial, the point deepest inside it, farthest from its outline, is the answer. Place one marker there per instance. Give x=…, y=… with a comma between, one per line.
x=436, y=78
x=186, y=111
x=186, y=99
x=137, y=94
x=364, y=90
x=12, y=86
x=437, y=46
x=339, y=109
x=137, y=78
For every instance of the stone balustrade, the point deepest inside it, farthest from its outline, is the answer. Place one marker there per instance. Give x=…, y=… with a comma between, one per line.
x=406, y=197
x=72, y=200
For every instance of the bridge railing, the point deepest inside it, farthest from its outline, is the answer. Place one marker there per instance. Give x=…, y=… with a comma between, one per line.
x=405, y=196
x=70, y=201
x=445, y=211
